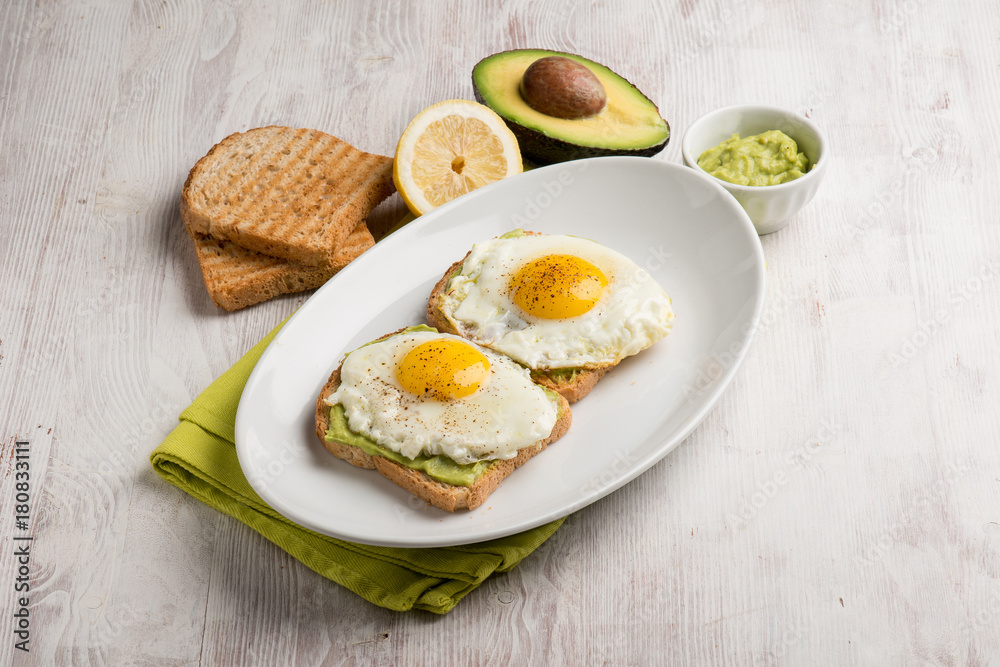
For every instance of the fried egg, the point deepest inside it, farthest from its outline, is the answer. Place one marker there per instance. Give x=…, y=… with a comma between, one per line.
x=555, y=301
x=423, y=392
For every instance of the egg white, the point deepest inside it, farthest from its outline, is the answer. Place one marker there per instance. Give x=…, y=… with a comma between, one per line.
x=633, y=313
x=507, y=412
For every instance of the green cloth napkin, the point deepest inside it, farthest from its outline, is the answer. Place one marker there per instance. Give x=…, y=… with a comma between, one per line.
x=199, y=457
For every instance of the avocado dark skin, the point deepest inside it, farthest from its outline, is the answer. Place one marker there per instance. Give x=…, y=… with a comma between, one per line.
x=543, y=145
x=543, y=150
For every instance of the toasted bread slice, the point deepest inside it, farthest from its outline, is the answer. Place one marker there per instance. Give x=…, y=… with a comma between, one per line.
x=438, y=494
x=236, y=277
x=290, y=193
x=571, y=388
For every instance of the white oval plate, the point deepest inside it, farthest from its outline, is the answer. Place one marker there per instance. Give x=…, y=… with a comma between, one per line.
x=679, y=224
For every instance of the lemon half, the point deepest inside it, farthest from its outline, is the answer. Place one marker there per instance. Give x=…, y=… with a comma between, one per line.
x=449, y=149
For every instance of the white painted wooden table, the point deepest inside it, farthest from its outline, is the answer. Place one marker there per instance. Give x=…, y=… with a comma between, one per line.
x=840, y=505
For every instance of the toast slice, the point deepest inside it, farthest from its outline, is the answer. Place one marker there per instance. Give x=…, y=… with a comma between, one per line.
x=439, y=494
x=572, y=384
x=295, y=194
x=236, y=277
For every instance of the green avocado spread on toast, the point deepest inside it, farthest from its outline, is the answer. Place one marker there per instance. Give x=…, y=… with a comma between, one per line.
x=439, y=467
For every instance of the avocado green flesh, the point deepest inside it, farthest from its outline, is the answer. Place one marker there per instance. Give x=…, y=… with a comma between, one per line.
x=629, y=125
x=560, y=375
x=769, y=158
x=438, y=467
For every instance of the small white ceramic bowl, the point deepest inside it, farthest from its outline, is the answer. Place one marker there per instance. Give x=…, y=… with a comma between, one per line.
x=770, y=207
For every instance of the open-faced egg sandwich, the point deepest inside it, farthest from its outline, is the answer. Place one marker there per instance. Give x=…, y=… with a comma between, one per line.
x=566, y=307
x=443, y=418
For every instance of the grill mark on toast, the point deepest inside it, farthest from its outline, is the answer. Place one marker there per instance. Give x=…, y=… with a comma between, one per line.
x=268, y=224
x=349, y=190
x=310, y=225
x=359, y=182
x=329, y=152
x=371, y=179
x=248, y=176
x=272, y=182
x=275, y=230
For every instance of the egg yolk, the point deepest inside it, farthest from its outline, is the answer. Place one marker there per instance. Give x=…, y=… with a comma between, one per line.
x=558, y=286
x=443, y=369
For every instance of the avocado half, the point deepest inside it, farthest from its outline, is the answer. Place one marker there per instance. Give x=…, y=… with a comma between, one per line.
x=630, y=124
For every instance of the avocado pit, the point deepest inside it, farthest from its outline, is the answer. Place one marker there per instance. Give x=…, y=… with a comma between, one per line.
x=563, y=88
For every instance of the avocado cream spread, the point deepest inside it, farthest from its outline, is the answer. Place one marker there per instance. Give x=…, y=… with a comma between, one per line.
x=439, y=467
x=559, y=375
x=768, y=158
